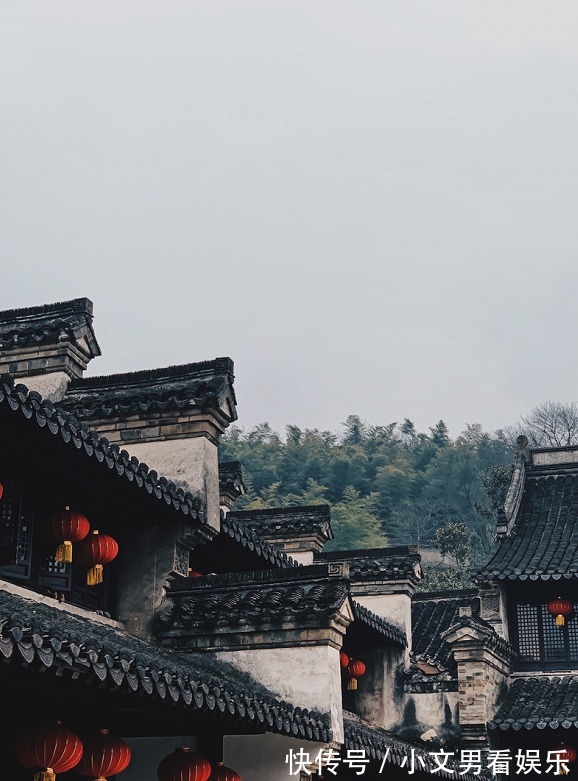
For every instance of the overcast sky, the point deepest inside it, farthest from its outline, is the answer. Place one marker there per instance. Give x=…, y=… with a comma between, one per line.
x=371, y=206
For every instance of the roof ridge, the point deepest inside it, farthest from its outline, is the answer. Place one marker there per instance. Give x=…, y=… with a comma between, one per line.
x=141, y=376
x=240, y=515
x=398, y=550
x=73, y=305
x=457, y=594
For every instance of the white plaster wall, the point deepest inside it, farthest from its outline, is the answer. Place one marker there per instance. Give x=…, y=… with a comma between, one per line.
x=301, y=557
x=396, y=608
x=50, y=386
x=555, y=457
x=306, y=676
x=262, y=757
x=430, y=709
x=191, y=463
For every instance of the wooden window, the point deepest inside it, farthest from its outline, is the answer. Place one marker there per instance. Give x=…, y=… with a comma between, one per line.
x=25, y=561
x=543, y=645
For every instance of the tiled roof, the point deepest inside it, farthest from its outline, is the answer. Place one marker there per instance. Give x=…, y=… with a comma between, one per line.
x=40, y=413
x=204, y=384
x=377, y=745
x=231, y=477
x=543, y=541
x=283, y=521
x=431, y=614
x=379, y=624
x=49, y=640
x=395, y=563
x=540, y=701
x=36, y=325
x=246, y=537
x=250, y=600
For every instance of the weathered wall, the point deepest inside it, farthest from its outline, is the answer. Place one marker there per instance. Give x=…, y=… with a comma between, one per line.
x=142, y=573
x=190, y=463
x=50, y=386
x=436, y=710
x=308, y=675
x=379, y=696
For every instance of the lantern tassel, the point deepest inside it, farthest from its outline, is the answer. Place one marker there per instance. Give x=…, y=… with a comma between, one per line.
x=560, y=620
x=64, y=552
x=352, y=684
x=94, y=575
x=45, y=775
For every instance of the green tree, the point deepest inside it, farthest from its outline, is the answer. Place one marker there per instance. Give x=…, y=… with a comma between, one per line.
x=355, y=522
x=453, y=540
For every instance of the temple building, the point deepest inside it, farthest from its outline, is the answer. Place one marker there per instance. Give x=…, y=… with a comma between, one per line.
x=139, y=607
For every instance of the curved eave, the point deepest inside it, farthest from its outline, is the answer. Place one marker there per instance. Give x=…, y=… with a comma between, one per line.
x=380, y=746
x=250, y=540
x=489, y=576
x=379, y=624
x=529, y=724
x=43, y=414
x=51, y=642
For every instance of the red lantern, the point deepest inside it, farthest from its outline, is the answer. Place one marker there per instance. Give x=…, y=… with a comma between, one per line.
x=343, y=660
x=48, y=750
x=67, y=527
x=1, y=490
x=223, y=773
x=194, y=574
x=95, y=551
x=104, y=755
x=355, y=669
x=184, y=765
x=567, y=755
x=560, y=608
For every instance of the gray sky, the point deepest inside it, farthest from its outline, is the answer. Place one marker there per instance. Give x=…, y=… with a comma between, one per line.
x=369, y=205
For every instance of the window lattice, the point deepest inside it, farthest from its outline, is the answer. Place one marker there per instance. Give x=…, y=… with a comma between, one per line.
x=573, y=636
x=554, y=638
x=543, y=644
x=528, y=633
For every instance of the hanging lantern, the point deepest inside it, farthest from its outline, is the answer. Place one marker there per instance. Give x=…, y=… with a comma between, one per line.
x=355, y=669
x=48, y=750
x=560, y=608
x=67, y=527
x=343, y=660
x=104, y=755
x=567, y=755
x=223, y=773
x=1, y=490
x=184, y=765
x=95, y=551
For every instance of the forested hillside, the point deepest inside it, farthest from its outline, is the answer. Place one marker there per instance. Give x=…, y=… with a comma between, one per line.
x=390, y=485
x=386, y=485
